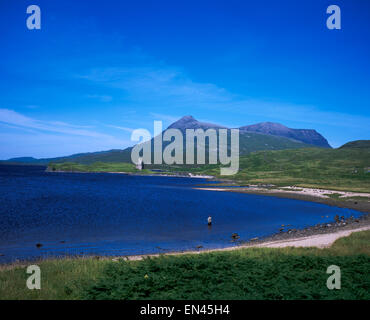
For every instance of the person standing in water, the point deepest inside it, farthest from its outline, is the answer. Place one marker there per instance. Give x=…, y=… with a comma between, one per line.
x=209, y=220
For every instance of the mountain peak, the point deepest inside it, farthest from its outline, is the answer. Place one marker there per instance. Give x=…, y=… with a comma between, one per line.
x=189, y=122
x=188, y=118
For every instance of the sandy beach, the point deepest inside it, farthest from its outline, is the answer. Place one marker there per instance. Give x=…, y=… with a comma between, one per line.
x=321, y=193
x=319, y=240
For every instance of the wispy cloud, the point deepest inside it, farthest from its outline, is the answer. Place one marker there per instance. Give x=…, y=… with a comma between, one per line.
x=25, y=136
x=159, y=84
x=162, y=87
x=120, y=128
x=16, y=119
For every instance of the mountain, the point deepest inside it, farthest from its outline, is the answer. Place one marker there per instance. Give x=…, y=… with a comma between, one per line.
x=357, y=144
x=261, y=136
x=308, y=136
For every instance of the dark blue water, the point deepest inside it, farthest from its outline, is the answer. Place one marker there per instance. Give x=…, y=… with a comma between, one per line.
x=116, y=214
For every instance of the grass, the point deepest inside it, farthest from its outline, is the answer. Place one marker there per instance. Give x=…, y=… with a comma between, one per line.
x=338, y=196
x=96, y=167
x=60, y=278
x=338, y=169
x=252, y=273
x=335, y=169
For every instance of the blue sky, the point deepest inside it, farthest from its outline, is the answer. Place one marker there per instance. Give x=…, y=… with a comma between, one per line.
x=99, y=69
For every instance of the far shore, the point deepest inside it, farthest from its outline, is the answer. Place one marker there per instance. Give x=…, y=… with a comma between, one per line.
x=292, y=192
x=176, y=175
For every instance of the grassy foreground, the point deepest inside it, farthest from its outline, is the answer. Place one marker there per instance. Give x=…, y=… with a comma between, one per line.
x=253, y=273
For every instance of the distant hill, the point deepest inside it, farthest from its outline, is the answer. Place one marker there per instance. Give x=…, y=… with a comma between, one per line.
x=357, y=144
x=261, y=136
x=115, y=155
x=23, y=160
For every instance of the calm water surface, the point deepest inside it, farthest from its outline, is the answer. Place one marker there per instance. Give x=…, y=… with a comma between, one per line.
x=116, y=214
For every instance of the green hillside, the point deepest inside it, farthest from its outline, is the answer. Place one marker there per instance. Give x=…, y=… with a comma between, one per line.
x=363, y=144
x=337, y=169
x=107, y=156
x=115, y=155
x=94, y=167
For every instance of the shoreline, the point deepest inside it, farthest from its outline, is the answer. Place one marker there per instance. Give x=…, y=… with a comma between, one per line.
x=319, y=241
x=314, y=236
x=359, y=205
x=319, y=236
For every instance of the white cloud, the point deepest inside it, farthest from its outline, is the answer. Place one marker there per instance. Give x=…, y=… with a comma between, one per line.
x=120, y=128
x=26, y=136
x=160, y=87
x=164, y=85
x=14, y=118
